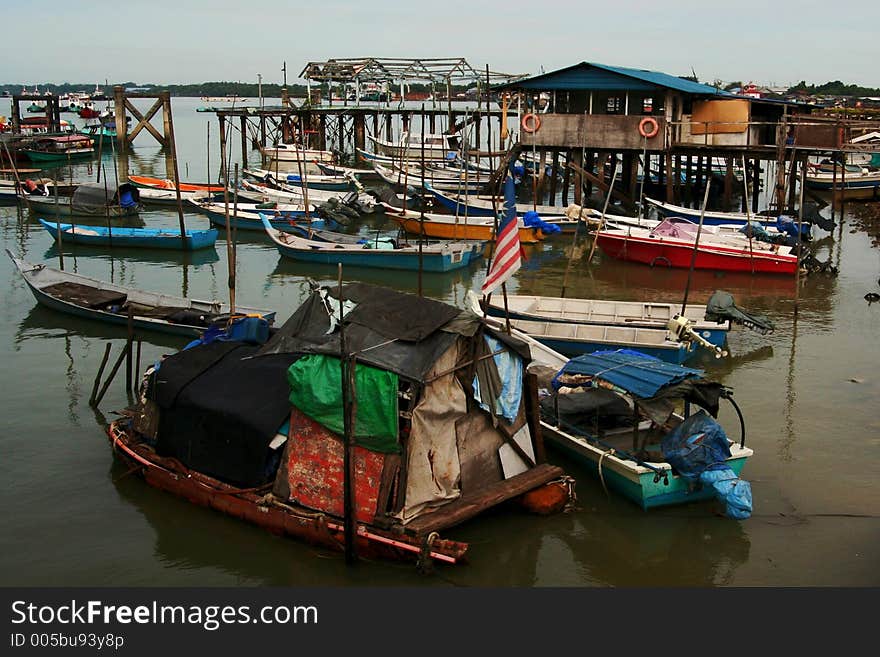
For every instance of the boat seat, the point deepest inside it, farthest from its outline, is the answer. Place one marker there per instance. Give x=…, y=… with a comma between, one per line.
x=86, y=295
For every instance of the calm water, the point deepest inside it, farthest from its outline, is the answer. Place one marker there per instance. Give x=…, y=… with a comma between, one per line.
x=809, y=392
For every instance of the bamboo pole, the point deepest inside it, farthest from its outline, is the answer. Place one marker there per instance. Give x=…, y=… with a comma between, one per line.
x=58, y=222
x=97, y=382
x=687, y=287
x=797, y=271
x=229, y=262
x=602, y=218
x=748, y=217
x=175, y=169
x=421, y=205
x=347, y=369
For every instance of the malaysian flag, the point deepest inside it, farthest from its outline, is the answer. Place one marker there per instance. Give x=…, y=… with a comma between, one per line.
x=508, y=252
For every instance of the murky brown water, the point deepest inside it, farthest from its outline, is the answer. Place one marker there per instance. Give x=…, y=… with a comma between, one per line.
x=809, y=391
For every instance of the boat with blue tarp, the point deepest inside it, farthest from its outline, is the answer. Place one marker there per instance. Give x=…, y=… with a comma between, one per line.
x=619, y=413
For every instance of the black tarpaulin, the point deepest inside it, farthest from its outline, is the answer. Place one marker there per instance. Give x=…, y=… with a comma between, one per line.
x=95, y=197
x=388, y=329
x=220, y=409
x=591, y=409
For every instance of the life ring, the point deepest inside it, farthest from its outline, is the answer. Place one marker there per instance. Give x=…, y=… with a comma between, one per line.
x=648, y=120
x=531, y=123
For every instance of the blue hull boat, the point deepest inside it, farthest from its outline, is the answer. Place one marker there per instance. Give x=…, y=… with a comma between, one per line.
x=151, y=238
x=441, y=257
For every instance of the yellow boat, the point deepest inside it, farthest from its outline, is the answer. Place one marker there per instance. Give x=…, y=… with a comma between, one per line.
x=442, y=226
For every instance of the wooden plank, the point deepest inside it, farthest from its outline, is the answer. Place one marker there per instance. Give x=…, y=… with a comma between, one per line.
x=463, y=509
x=595, y=132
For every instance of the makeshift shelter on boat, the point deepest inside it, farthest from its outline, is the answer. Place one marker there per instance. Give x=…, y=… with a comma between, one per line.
x=445, y=422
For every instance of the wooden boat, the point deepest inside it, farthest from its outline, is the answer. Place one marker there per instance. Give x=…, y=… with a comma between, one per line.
x=281, y=469
x=247, y=216
x=314, y=181
x=711, y=218
x=441, y=257
x=155, y=196
x=671, y=244
x=410, y=146
x=400, y=177
x=164, y=183
x=150, y=238
x=60, y=149
x=624, y=459
x=107, y=302
x=449, y=227
x=89, y=199
x=862, y=184
x=481, y=206
x=295, y=153
x=607, y=312
x=281, y=193
x=10, y=190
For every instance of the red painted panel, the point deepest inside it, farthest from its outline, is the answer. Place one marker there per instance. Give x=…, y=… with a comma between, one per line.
x=314, y=470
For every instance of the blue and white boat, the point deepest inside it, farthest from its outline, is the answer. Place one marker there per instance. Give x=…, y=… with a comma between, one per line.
x=712, y=218
x=432, y=257
x=246, y=216
x=150, y=238
x=608, y=312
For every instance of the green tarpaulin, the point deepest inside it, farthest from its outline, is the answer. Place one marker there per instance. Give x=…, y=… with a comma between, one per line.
x=316, y=390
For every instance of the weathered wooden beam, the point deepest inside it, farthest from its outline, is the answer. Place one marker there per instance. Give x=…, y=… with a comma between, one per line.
x=620, y=196
x=144, y=121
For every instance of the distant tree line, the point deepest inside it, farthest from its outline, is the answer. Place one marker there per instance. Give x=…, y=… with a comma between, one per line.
x=243, y=89
x=836, y=88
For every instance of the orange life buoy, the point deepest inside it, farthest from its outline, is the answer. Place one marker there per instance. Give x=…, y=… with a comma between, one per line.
x=655, y=127
x=531, y=122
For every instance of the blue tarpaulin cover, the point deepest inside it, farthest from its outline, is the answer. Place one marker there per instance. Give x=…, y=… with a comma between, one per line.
x=698, y=449
x=637, y=373
x=533, y=220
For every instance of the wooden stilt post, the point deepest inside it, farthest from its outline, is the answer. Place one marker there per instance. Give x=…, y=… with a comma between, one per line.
x=244, y=147
x=121, y=133
x=554, y=177
x=756, y=184
x=728, y=183
x=172, y=147
x=566, y=179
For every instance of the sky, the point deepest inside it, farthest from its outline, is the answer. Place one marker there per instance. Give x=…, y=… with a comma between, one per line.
x=190, y=41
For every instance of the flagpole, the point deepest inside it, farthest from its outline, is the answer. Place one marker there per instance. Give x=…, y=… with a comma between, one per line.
x=515, y=227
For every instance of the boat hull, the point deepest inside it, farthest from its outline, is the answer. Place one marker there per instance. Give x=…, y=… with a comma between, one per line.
x=609, y=313
x=29, y=271
x=458, y=231
x=654, y=251
x=131, y=237
x=281, y=519
x=72, y=154
x=409, y=260
x=637, y=483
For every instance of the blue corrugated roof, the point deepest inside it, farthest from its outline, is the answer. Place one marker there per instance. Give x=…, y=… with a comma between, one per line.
x=590, y=75
x=635, y=372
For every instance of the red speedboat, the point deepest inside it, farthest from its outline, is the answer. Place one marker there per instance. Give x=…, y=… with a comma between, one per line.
x=671, y=244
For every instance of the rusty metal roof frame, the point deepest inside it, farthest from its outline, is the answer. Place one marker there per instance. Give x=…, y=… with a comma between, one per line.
x=387, y=69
